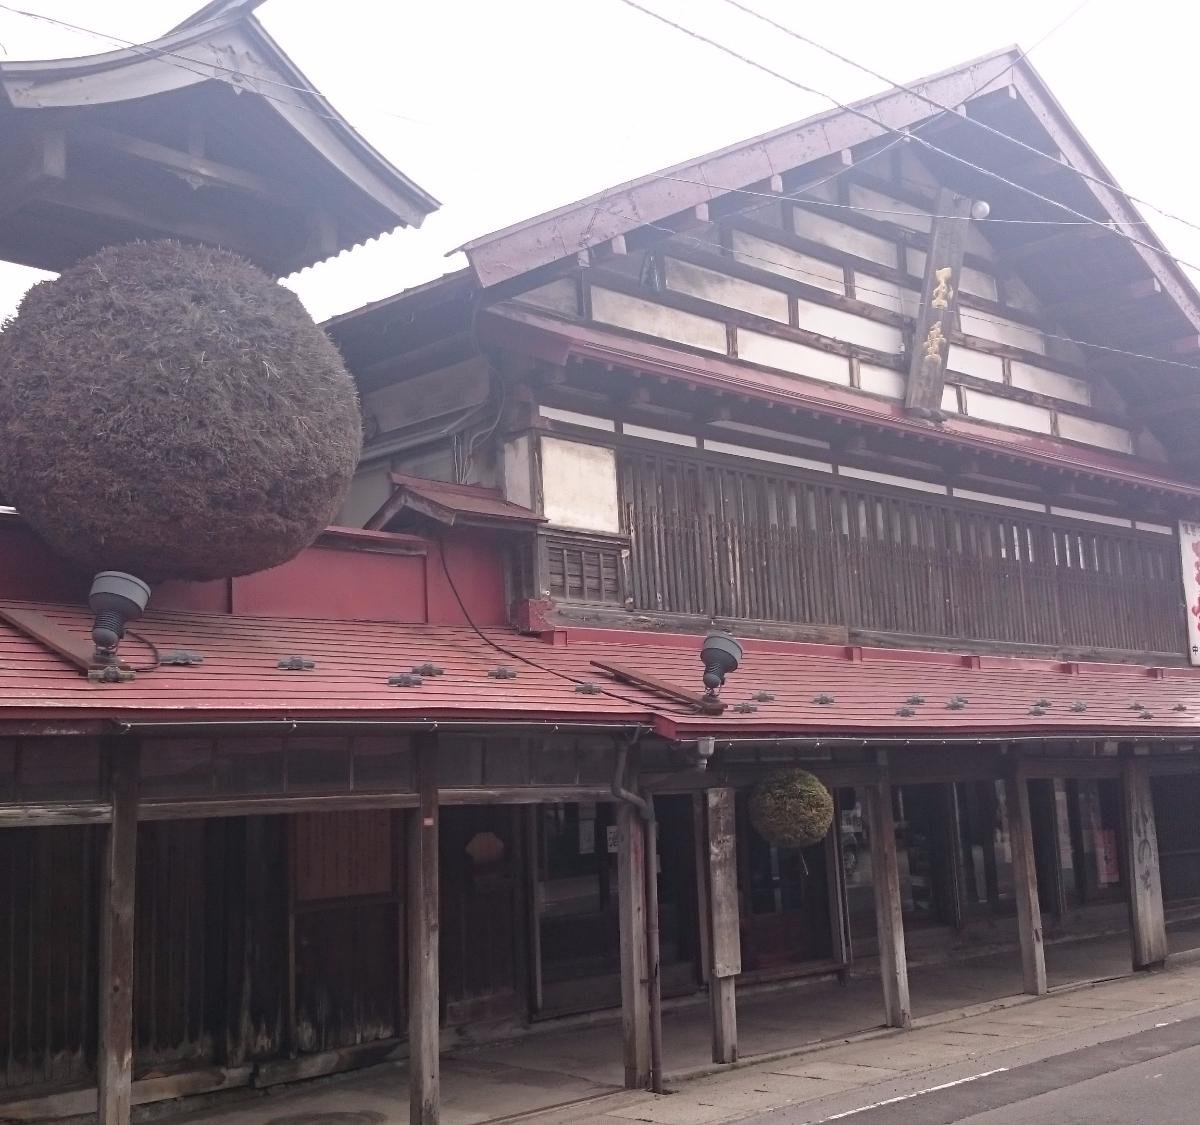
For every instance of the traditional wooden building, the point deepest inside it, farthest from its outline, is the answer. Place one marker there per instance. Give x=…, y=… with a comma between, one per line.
x=450, y=766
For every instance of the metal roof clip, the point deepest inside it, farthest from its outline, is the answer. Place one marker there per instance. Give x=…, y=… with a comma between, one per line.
x=295, y=664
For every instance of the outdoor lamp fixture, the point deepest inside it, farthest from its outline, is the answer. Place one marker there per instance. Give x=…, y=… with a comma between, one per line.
x=720, y=655
x=115, y=598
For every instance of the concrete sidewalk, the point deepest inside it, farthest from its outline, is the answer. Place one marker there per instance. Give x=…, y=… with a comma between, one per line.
x=880, y=1058
x=574, y=1073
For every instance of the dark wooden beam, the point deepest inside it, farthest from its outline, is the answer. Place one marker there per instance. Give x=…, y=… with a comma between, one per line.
x=708, y=704
x=1147, y=922
x=889, y=919
x=47, y=164
x=725, y=934
x=1029, y=914
x=1102, y=300
x=631, y=904
x=76, y=650
x=194, y=169
x=114, y=1049
x=93, y=200
x=424, y=1005
x=1064, y=241
x=939, y=293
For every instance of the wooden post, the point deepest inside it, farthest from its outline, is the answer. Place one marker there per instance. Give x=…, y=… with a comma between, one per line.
x=424, y=1076
x=1147, y=922
x=885, y=878
x=700, y=844
x=725, y=937
x=631, y=897
x=114, y=1052
x=1029, y=913
x=954, y=909
x=839, y=908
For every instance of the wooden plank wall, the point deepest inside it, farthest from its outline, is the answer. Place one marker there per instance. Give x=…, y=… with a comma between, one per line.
x=729, y=541
x=49, y=881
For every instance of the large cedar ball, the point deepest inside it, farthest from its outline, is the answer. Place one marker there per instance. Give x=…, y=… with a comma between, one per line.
x=172, y=411
x=791, y=809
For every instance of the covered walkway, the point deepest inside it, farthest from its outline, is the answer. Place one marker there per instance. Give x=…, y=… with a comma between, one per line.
x=557, y=1064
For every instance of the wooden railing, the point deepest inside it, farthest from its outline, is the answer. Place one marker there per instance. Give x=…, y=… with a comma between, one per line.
x=733, y=542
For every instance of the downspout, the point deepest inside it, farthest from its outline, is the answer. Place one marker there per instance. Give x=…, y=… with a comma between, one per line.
x=645, y=808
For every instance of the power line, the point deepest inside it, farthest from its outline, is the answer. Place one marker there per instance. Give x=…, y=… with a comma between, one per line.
x=978, y=314
x=911, y=135
x=916, y=92
x=799, y=198
x=147, y=51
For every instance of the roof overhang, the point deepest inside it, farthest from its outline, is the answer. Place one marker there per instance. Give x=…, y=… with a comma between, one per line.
x=208, y=134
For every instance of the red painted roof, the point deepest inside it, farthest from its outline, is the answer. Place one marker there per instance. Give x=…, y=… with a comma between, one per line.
x=863, y=688
x=472, y=504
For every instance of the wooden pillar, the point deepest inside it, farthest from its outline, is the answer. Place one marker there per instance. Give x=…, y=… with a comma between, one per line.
x=424, y=1007
x=1147, y=922
x=631, y=898
x=114, y=1051
x=1029, y=913
x=885, y=877
x=724, y=933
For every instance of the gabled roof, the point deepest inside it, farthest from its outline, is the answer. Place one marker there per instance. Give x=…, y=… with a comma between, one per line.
x=822, y=691
x=466, y=505
x=209, y=133
x=1005, y=75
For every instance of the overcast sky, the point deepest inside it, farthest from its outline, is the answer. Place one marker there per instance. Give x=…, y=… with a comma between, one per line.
x=502, y=110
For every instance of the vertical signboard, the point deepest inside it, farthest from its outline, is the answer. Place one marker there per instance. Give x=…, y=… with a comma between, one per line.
x=1189, y=549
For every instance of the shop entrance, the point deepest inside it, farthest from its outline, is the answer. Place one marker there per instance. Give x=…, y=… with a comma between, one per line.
x=577, y=955
x=786, y=917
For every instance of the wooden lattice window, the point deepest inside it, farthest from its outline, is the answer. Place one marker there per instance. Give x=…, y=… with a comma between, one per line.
x=584, y=569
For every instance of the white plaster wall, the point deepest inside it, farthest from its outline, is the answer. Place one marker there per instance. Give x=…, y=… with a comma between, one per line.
x=579, y=485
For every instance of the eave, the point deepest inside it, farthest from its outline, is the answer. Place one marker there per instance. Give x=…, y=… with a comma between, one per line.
x=347, y=193
x=561, y=342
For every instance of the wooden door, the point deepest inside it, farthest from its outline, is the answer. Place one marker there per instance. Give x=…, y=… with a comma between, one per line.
x=482, y=924
x=346, y=937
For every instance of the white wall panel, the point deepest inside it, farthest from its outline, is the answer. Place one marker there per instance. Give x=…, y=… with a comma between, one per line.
x=851, y=240
x=579, y=485
x=978, y=364
x=991, y=408
x=1001, y=330
x=639, y=315
x=839, y=325
x=1050, y=383
x=721, y=289
x=765, y=255
x=787, y=355
x=1102, y=434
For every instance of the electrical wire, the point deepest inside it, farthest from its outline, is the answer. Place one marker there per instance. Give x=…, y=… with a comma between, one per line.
x=247, y=80
x=890, y=210
x=910, y=135
x=639, y=703
x=977, y=314
x=990, y=129
x=900, y=136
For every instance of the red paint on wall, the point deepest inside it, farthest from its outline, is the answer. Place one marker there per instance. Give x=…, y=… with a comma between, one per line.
x=475, y=563
x=348, y=576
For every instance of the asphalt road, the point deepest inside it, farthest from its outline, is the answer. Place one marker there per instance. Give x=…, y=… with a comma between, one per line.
x=1151, y=1075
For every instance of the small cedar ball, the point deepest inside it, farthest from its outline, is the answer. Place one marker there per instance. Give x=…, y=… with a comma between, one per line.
x=172, y=411
x=791, y=809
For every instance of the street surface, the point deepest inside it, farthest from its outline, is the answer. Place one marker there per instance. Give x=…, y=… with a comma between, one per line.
x=1151, y=1075
x=1119, y=1052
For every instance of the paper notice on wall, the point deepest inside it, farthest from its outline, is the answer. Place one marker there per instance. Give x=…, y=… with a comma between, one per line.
x=611, y=839
x=1189, y=547
x=1108, y=860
